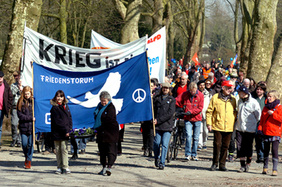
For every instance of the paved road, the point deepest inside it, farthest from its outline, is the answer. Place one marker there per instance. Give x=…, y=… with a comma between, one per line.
x=131, y=169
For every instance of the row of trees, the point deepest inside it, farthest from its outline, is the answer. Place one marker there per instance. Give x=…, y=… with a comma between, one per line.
x=245, y=27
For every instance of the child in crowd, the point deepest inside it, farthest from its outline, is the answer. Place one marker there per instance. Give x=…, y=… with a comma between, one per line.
x=61, y=124
x=25, y=114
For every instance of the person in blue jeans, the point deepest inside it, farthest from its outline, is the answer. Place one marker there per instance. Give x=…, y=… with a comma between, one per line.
x=193, y=130
x=192, y=102
x=81, y=145
x=26, y=119
x=164, y=108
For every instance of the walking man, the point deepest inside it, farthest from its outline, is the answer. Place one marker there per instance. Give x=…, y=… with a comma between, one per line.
x=16, y=89
x=220, y=116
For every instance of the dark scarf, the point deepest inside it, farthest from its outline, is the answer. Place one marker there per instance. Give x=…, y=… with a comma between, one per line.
x=246, y=99
x=224, y=97
x=272, y=105
x=164, y=96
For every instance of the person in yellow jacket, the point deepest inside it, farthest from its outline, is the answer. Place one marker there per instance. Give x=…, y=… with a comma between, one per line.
x=220, y=116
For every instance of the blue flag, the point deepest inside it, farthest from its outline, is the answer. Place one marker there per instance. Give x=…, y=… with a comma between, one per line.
x=127, y=83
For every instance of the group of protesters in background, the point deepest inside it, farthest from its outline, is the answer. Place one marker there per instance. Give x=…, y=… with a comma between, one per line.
x=222, y=100
x=211, y=98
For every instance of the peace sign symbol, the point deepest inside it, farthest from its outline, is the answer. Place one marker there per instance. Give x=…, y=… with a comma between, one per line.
x=139, y=95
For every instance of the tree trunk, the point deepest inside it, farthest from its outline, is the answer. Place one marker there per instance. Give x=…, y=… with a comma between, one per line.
x=203, y=29
x=158, y=15
x=63, y=21
x=275, y=73
x=131, y=16
x=170, y=34
x=194, y=9
x=247, y=7
x=236, y=28
x=264, y=30
x=28, y=11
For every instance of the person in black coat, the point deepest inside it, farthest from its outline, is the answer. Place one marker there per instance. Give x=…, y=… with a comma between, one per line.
x=25, y=114
x=61, y=125
x=164, y=108
x=6, y=102
x=107, y=132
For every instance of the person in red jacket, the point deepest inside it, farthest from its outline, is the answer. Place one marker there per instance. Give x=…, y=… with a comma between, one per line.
x=270, y=129
x=192, y=102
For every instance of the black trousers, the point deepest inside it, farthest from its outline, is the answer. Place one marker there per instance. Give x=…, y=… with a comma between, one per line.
x=120, y=139
x=49, y=142
x=108, y=153
x=148, y=135
x=244, y=142
x=220, y=147
x=232, y=146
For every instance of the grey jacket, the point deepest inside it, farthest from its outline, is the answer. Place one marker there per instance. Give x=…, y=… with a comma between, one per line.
x=249, y=113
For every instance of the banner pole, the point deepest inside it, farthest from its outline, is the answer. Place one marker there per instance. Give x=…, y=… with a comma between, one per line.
x=154, y=129
x=33, y=122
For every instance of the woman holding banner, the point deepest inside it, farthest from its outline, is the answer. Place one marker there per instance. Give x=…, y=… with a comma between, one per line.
x=107, y=132
x=164, y=108
x=25, y=114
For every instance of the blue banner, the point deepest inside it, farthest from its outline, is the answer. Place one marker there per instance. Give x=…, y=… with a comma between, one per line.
x=127, y=83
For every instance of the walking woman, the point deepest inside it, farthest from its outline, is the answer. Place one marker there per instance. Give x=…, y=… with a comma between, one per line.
x=164, y=108
x=270, y=129
x=25, y=115
x=107, y=132
x=61, y=125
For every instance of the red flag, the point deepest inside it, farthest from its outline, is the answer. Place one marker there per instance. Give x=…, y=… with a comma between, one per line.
x=195, y=59
x=181, y=62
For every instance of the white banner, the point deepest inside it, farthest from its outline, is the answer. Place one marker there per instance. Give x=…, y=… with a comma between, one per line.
x=56, y=55
x=156, y=45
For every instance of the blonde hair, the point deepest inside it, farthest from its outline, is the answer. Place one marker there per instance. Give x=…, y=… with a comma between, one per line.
x=22, y=99
x=274, y=93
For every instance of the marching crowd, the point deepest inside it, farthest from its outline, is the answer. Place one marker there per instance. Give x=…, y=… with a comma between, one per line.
x=210, y=98
x=220, y=100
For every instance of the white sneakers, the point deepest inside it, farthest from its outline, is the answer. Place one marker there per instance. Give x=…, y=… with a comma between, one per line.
x=187, y=158
x=59, y=171
x=68, y=171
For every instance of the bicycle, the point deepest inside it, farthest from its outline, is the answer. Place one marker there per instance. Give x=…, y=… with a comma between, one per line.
x=176, y=138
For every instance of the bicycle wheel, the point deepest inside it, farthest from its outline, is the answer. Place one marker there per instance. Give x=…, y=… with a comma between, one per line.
x=170, y=149
x=176, y=146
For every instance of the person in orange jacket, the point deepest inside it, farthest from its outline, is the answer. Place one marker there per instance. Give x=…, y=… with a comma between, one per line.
x=270, y=129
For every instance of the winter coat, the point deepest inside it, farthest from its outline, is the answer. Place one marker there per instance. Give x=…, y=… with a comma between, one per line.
x=193, y=104
x=25, y=116
x=61, y=121
x=7, y=99
x=164, y=109
x=270, y=125
x=109, y=130
x=207, y=98
x=221, y=114
x=175, y=88
x=248, y=115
